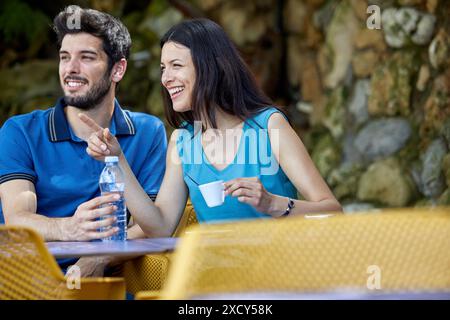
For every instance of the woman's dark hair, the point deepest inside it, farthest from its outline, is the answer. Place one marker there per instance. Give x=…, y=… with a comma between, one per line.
x=223, y=80
x=115, y=36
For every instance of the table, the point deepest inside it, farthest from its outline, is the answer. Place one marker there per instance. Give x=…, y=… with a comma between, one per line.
x=337, y=295
x=129, y=248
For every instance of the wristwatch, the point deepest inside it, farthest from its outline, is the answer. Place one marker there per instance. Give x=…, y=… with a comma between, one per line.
x=291, y=205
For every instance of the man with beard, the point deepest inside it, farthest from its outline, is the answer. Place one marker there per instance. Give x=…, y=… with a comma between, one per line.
x=47, y=181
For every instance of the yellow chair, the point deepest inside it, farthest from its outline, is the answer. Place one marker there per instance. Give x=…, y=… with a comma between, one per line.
x=149, y=272
x=28, y=272
x=388, y=252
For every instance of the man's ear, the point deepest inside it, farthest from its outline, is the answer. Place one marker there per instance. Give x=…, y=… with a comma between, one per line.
x=118, y=70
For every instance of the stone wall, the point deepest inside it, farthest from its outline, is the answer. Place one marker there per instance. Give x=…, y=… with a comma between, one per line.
x=372, y=106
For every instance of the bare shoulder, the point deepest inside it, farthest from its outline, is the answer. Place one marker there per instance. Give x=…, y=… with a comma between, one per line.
x=175, y=134
x=284, y=139
x=278, y=121
x=172, y=156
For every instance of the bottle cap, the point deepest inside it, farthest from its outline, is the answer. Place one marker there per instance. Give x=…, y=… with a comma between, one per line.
x=111, y=159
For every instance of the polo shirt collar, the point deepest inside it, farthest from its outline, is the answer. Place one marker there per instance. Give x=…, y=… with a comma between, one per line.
x=124, y=124
x=59, y=130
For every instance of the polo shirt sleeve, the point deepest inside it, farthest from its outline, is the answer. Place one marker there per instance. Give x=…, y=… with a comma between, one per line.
x=15, y=156
x=152, y=173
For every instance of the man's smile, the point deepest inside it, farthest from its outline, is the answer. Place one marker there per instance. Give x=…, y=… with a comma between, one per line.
x=73, y=84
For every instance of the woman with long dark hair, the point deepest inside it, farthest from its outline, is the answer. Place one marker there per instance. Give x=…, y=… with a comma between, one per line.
x=227, y=130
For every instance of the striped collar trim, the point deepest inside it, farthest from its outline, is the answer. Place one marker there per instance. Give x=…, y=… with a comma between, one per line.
x=58, y=127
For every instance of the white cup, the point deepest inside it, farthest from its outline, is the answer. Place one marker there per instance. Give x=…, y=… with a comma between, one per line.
x=213, y=193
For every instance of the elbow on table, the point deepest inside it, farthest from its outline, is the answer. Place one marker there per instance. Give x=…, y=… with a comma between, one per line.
x=334, y=206
x=337, y=207
x=157, y=232
x=16, y=218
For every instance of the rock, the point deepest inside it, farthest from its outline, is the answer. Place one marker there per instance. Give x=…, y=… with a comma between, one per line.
x=313, y=37
x=315, y=3
x=359, y=207
x=394, y=33
x=207, y=5
x=439, y=50
x=358, y=102
x=322, y=17
x=436, y=108
x=304, y=107
x=370, y=46
x=303, y=69
x=265, y=63
x=311, y=88
x=445, y=131
x=360, y=9
x=429, y=4
x=383, y=137
x=425, y=203
x=415, y=170
x=424, y=30
x=296, y=58
x=446, y=168
x=254, y=29
x=432, y=176
x=432, y=5
x=334, y=118
x=296, y=16
x=407, y=25
x=326, y=155
x=367, y=38
x=344, y=180
x=350, y=154
x=235, y=19
x=407, y=19
x=424, y=76
x=386, y=183
x=318, y=112
x=444, y=199
x=339, y=40
x=324, y=60
x=383, y=4
x=391, y=85
x=364, y=63
x=411, y=2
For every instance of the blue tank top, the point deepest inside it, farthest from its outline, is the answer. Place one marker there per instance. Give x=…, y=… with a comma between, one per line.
x=254, y=158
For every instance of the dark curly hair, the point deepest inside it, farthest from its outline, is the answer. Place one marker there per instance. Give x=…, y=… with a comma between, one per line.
x=115, y=36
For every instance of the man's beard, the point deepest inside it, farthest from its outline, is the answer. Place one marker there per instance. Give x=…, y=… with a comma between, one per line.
x=93, y=97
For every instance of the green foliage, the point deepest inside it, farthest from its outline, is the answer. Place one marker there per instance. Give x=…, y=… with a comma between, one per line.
x=19, y=20
x=158, y=7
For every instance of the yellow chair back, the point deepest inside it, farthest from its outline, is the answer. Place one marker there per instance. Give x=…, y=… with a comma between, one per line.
x=393, y=251
x=29, y=271
x=149, y=272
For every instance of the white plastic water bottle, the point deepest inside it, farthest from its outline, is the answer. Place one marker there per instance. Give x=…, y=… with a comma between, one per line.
x=112, y=181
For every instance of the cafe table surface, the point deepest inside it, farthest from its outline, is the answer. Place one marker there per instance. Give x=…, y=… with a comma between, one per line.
x=330, y=295
x=135, y=247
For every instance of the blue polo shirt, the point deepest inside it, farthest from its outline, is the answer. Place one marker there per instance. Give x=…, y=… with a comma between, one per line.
x=41, y=147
